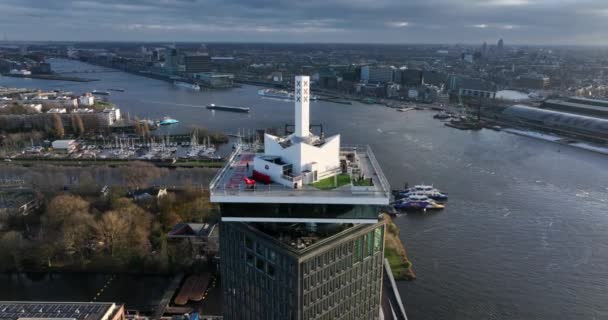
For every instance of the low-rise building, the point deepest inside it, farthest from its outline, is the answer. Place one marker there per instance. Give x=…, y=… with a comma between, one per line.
x=86, y=100
x=202, y=237
x=112, y=115
x=215, y=80
x=17, y=201
x=35, y=106
x=380, y=74
x=67, y=146
x=57, y=110
x=149, y=194
x=21, y=72
x=532, y=81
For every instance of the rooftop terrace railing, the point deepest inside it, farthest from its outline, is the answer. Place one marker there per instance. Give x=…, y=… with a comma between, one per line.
x=381, y=186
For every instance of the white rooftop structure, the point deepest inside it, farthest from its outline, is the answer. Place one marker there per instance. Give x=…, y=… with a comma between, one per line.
x=290, y=169
x=300, y=158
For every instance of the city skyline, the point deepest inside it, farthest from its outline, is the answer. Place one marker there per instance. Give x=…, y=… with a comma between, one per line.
x=388, y=21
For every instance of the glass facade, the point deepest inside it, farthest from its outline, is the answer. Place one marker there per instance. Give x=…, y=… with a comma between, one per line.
x=299, y=211
x=338, y=278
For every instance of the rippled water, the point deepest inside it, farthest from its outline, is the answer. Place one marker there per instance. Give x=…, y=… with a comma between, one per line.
x=524, y=233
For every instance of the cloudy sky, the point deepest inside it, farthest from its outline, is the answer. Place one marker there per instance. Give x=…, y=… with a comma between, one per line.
x=360, y=21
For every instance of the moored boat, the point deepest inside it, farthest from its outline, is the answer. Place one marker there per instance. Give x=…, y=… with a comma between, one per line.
x=167, y=121
x=417, y=202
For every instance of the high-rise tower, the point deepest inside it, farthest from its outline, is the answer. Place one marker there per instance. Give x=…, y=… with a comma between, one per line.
x=300, y=235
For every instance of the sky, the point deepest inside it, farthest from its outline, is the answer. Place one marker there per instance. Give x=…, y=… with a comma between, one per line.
x=543, y=22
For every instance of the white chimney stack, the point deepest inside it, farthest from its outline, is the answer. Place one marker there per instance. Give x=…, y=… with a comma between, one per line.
x=302, y=98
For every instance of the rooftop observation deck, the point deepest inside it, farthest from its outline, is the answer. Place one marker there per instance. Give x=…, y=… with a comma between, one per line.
x=228, y=185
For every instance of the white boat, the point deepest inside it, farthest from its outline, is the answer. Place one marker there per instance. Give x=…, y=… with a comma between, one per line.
x=280, y=94
x=274, y=93
x=187, y=85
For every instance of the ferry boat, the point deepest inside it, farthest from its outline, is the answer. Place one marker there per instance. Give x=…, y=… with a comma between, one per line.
x=187, y=85
x=274, y=93
x=214, y=106
x=423, y=190
x=116, y=89
x=280, y=94
x=167, y=121
x=102, y=93
x=418, y=202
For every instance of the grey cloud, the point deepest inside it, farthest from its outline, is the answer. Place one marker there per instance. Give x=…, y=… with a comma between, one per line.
x=389, y=21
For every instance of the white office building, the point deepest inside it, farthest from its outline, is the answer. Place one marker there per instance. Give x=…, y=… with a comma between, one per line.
x=86, y=100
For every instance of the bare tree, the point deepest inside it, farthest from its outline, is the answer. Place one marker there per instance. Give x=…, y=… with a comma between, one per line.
x=140, y=174
x=77, y=125
x=58, y=130
x=113, y=231
x=68, y=223
x=137, y=125
x=125, y=232
x=11, y=249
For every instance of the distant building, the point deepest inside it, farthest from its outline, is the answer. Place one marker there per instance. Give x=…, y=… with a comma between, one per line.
x=412, y=93
x=477, y=93
x=576, y=105
x=471, y=87
x=468, y=57
x=21, y=72
x=86, y=100
x=500, y=45
x=202, y=237
x=171, y=61
x=380, y=74
x=67, y=146
x=35, y=106
x=215, y=80
x=112, y=115
x=147, y=194
x=41, y=68
x=392, y=90
x=434, y=78
x=57, y=110
x=409, y=77
x=30, y=310
x=197, y=62
x=532, y=81
x=593, y=128
x=276, y=76
x=17, y=201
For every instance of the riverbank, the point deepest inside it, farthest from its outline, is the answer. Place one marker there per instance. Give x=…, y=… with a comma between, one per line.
x=50, y=77
x=395, y=252
x=559, y=140
x=31, y=162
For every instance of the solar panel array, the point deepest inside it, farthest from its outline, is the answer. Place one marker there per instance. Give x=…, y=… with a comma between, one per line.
x=52, y=310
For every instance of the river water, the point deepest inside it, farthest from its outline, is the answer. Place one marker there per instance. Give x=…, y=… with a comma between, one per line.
x=523, y=235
